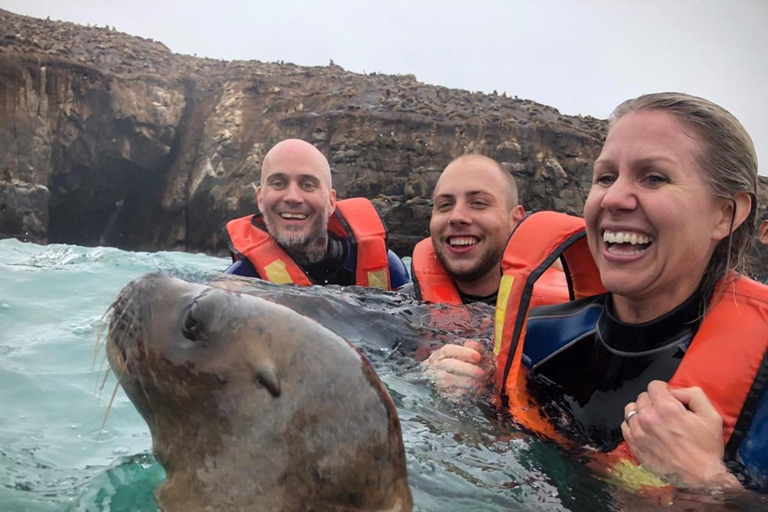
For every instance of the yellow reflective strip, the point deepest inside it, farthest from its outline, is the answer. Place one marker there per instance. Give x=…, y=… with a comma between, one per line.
x=278, y=273
x=628, y=475
x=378, y=279
x=505, y=287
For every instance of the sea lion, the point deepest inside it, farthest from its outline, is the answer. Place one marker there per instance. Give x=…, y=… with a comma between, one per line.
x=374, y=319
x=252, y=406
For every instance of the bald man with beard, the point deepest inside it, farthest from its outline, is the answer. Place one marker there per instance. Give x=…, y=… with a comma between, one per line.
x=303, y=235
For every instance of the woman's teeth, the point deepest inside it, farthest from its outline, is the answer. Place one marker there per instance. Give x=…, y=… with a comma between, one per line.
x=624, y=243
x=626, y=238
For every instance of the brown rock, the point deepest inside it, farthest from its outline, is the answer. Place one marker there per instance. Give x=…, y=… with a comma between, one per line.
x=106, y=138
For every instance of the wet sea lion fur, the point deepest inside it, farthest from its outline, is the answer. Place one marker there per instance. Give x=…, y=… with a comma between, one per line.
x=252, y=406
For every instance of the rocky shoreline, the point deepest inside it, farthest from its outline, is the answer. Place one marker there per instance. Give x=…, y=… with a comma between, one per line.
x=111, y=139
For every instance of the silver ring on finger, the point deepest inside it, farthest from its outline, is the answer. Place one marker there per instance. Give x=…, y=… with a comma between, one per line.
x=629, y=415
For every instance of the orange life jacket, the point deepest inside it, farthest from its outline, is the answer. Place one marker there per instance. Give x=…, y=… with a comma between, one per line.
x=354, y=219
x=430, y=279
x=726, y=373
x=433, y=284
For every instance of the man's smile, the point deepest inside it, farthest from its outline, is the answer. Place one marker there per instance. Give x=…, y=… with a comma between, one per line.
x=293, y=216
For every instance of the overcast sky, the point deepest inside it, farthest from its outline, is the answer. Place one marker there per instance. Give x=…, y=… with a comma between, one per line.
x=579, y=56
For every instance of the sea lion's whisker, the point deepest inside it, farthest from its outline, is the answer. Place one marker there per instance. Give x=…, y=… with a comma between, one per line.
x=100, y=338
x=109, y=408
x=104, y=362
x=104, y=380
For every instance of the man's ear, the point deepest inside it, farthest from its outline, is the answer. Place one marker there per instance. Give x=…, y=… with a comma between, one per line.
x=257, y=190
x=332, y=202
x=742, y=203
x=516, y=214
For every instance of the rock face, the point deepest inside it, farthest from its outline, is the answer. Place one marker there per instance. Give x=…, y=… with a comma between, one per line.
x=111, y=139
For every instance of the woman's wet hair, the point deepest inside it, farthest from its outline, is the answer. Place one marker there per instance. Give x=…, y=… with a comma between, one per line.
x=728, y=163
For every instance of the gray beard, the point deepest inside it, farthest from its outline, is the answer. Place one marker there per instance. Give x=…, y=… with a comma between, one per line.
x=306, y=248
x=303, y=250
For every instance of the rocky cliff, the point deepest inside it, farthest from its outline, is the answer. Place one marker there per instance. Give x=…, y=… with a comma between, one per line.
x=111, y=139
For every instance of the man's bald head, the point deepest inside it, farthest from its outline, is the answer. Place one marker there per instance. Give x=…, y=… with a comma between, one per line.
x=468, y=165
x=296, y=199
x=296, y=152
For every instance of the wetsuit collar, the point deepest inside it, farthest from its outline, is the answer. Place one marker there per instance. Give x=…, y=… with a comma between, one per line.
x=680, y=323
x=326, y=270
x=488, y=299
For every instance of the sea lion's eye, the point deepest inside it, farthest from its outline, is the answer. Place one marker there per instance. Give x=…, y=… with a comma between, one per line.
x=191, y=328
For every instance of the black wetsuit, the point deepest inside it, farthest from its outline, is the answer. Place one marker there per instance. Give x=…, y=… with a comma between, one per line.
x=471, y=299
x=331, y=269
x=585, y=365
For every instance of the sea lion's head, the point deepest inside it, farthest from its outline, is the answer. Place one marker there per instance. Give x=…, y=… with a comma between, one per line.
x=252, y=406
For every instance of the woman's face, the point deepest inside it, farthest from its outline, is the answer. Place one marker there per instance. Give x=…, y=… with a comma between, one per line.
x=651, y=223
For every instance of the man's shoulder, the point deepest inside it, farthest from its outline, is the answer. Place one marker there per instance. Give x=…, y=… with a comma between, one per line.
x=398, y=273
x=242, y=267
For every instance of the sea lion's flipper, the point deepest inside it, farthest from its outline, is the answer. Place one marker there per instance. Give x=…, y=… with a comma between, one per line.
x=266, y=375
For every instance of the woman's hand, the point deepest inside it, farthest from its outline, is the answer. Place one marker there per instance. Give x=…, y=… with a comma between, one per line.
x=678, y=434
x=455, y=369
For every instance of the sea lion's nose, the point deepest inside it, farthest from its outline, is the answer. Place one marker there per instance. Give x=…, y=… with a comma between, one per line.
x=125, y=309
x=146, y=284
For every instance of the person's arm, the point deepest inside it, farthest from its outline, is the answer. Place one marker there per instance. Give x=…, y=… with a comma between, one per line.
x=678, y=435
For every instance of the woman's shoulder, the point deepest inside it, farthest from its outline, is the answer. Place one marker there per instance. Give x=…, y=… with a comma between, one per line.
x=741, y=306
x=748, y=288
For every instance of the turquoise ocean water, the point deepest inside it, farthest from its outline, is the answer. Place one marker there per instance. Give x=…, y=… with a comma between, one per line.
x=55, y=455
